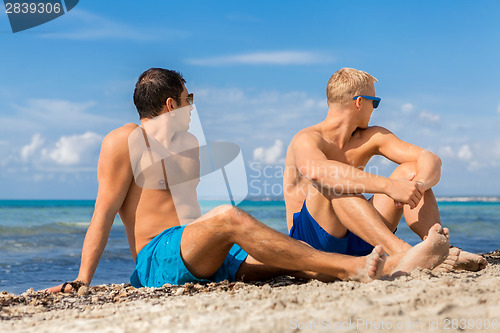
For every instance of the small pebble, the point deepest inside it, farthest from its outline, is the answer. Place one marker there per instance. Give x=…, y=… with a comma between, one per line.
x=84, y=290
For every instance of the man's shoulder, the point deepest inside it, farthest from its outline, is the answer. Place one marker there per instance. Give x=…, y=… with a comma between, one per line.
x=124, y=130
x=309, y=134
x=118, y=138
x=373, y=132
x=186, y=137
x=185, y=142
x=373, y=137
x=121, y=132
x=307, y=141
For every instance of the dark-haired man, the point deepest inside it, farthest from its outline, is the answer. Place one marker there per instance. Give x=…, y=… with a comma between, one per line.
x=325, y=179
x=225, y=243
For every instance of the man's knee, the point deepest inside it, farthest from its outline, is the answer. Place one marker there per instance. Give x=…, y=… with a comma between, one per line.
x=405, y=170
x=229, y=216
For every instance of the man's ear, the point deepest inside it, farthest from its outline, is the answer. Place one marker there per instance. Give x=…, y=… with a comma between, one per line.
x=171, y=104
x=358, y=102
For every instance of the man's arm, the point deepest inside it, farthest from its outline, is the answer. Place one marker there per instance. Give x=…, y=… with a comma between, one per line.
x=115, y=176
x=332, y=175
x=428, y=170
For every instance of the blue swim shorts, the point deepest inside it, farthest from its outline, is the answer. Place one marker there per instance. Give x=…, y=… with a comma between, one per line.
x=306, y=229
x=160, y=262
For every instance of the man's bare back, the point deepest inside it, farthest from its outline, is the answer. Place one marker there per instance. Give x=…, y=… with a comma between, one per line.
x=145, y=212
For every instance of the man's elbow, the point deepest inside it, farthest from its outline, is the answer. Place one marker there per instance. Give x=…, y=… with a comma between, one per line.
x=433, y=159
x=437, y=160
x=103, y=213
x=437, y=163
x=311, y=175
x=318, y=172
x=308, y=171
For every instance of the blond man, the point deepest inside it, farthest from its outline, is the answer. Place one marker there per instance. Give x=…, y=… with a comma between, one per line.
x=325, y=179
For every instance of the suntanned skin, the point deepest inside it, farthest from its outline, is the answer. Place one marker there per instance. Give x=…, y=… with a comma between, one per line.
x=324, y=166
x=206, y=242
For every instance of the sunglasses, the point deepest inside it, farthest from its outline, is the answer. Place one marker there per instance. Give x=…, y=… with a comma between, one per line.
x=189, y=98
x=375, y=100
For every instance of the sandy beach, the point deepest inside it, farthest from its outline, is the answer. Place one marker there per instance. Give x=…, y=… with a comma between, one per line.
x=421, y=302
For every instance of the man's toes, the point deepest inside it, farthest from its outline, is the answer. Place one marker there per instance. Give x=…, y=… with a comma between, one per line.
x=454, y=252
x=379, y=250
x=444, y=268
x=436, y=228
x=372, y=271
x=373, y=266
x=483, y=263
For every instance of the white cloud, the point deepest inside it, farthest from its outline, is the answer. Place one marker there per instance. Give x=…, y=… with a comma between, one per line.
x=73, y=153
x=428, y=117
x=407, y=108
x=265, y=58
x=30, y=149
x=257, y=99
x=269, y=155
x=476, y=154
x=496, y=149
x=446, y=151
x=94, y=27
x=234, y=114
x=464, y=153
x=38, y=114
x=57, y=107
x=75, y=149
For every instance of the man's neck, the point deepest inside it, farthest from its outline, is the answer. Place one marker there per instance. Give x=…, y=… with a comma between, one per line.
x=338, y=126
x=161, y=128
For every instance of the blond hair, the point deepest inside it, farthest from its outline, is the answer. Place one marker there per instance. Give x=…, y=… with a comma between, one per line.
x=346, y=83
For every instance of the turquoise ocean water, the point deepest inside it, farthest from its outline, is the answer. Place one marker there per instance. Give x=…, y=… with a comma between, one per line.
x=41, y=241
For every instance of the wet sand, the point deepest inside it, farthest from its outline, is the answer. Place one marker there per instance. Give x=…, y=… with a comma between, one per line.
x=421, y=302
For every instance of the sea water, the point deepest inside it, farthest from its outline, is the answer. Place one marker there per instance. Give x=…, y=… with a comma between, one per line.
x=41, y=241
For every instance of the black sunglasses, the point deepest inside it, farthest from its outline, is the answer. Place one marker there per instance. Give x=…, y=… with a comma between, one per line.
x=189, y=98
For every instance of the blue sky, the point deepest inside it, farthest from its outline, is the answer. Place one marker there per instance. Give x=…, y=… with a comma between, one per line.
x=258, y=70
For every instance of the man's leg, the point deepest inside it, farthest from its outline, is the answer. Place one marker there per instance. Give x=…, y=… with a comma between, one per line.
x=360, y=217
x=253, y=270
x=421, y=218
x=205, y=245
x=355, y=213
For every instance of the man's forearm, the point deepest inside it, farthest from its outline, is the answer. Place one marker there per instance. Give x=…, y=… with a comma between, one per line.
x=93, y=247
x=428, y=169
x=339, y=178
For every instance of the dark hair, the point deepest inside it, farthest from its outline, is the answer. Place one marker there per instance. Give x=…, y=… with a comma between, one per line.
x=154, y=87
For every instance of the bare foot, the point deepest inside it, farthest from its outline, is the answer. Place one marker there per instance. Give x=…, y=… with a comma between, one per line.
x=470, y=261
x=427, y=254
x=372, y=268
x=449, y=263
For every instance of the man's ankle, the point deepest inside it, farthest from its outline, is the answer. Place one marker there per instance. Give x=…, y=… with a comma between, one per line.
x=398, y=248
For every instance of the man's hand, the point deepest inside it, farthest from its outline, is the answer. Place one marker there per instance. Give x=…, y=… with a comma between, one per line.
x=405, y=191
x=68, y=287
